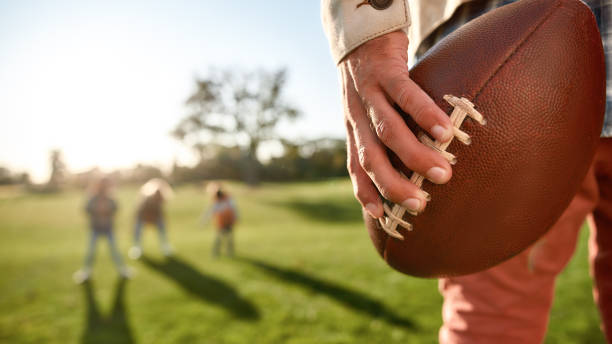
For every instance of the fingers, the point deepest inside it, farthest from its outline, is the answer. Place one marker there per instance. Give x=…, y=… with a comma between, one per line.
x=391, y=185
x=373, y=159
x=393, y=132
x=374, y=76
x=414, y=101
x=363, y=189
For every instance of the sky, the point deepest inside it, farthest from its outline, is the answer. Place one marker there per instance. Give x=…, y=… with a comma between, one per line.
x=106, y=81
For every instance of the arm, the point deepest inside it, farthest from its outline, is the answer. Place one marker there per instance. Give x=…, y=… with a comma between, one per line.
x=374, y=75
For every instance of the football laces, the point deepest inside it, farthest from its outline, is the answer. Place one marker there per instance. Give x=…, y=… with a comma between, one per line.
x=462, y=108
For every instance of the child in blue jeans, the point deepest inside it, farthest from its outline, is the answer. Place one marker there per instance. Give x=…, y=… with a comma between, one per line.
x=101, y=209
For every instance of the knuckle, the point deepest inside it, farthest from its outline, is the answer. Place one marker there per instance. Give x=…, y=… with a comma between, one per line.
x=384, y=131
x=404, y=98
x=386, y=191
x=365, y=159
x=349, y=167
x=397, y=80
x=352, y=166
x=360, y=194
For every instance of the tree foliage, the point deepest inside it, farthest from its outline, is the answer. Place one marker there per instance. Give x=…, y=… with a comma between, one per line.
x=236, y=109
x=306, y=160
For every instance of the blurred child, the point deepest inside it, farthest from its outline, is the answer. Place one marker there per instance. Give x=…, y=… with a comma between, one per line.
x=150, y=211
x=101, y=209
x=225, y=214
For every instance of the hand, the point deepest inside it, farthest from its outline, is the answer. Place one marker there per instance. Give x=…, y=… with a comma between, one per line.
x=374, y=76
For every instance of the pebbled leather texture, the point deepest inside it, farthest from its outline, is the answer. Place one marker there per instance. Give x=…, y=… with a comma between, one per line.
x=535, y=69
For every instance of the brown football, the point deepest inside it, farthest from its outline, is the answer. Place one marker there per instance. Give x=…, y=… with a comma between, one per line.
x=535, y=70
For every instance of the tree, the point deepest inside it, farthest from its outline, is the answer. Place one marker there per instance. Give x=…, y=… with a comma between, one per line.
x=58, y=169
x=309, y=159
x=6, y=177
x=236, y=109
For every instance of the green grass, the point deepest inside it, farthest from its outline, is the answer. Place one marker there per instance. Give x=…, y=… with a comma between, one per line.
x=306, y=272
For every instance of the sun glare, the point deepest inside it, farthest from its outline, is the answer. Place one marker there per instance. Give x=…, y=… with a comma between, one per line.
x=88, y=89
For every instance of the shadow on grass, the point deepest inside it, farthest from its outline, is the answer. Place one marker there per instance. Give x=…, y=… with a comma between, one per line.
x=355, y=300
x=208, y=288
x=328, y=210
x=101, y=329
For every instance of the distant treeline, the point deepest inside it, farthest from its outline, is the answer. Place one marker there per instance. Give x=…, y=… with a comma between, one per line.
x=317, y=159
x=307, y=160
x=7, y=177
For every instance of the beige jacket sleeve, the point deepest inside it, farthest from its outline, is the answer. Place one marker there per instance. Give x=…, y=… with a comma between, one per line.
x=347, y=25
x=427, y=15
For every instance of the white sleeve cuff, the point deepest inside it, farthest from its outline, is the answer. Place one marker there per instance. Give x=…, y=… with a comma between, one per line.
x=348, y=26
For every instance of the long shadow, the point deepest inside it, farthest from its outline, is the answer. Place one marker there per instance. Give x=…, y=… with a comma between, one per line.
x=356, y=300
x=208, y=288
x=112, y=329
x=328, y=210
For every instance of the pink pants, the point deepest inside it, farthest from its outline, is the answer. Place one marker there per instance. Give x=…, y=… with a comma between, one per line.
x=510, y=303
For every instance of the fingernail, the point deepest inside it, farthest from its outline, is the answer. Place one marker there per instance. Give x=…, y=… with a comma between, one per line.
x=371, y=208
x=440, y=133
x=437, y=175
x=412, y=204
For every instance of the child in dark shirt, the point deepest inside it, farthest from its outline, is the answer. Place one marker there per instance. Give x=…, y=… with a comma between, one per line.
x=101, y=209
x=154, y=194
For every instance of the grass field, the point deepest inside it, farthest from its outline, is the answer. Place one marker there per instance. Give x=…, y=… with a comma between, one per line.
x=305, y=272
